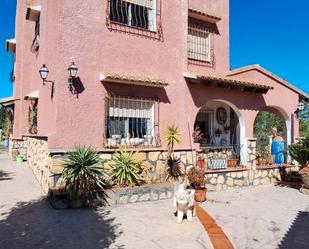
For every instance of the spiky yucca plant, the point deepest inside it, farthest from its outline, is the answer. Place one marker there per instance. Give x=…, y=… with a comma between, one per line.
x=172, y=137
x=126, y=168
x=82, y=175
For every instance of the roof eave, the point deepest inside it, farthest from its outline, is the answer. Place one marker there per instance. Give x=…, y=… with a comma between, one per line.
x=131, y=80
x=203, y=16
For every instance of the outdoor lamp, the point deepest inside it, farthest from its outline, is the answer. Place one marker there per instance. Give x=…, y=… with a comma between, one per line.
x=72, y=69
x=43, y=73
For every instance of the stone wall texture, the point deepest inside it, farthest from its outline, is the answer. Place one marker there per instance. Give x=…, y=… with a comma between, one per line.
x=39, y=161
x=251, y=153
x=228, y=180
x=140, y=194
x=44, y=166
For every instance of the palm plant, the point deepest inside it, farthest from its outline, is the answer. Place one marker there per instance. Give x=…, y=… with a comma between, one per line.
x=126, y=168
x=83, y=177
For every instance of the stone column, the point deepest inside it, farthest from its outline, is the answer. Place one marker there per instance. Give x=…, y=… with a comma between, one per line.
x=251, y=153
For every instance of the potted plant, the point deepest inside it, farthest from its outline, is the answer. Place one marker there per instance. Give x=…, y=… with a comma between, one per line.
x=197, y=135
x=83, y=178
x=232, y=162
x=300, y=153
x=201, y=163
x=197, y=180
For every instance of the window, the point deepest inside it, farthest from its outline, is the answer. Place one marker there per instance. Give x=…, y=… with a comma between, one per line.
x=199, y=43
x=135, y=13
x=130, y=121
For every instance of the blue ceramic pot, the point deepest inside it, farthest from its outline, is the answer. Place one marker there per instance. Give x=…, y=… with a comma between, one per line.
x=6, y=143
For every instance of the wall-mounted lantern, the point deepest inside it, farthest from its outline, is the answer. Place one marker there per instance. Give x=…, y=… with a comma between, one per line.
x=72, y=70
x=44, y=73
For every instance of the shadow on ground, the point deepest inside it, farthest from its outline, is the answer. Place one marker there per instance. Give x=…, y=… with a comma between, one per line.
x=36, y=225
x=298, y=235
x=4, y=176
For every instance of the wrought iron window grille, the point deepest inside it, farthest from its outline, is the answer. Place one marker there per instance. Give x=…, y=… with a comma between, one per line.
x=131, y=122
x=201, y=43
x=142, y=17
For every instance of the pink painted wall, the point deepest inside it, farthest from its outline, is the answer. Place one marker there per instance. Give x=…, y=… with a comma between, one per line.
x=79, y=31
x=221, y=44
x=281, y=98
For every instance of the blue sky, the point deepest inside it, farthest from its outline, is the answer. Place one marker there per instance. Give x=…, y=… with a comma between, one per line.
x=7, y=22
x=272, y=33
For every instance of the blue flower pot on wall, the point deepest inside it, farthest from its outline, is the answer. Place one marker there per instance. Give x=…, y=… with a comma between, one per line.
x=6, y=143
x=277, y=150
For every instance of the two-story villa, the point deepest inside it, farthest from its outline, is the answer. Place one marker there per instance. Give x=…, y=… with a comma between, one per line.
x=120, y=71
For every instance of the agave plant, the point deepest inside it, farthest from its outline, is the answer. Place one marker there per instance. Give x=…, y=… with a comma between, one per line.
x=126, y=168
x=83, y=177
x=172, y=137
x=174, y=169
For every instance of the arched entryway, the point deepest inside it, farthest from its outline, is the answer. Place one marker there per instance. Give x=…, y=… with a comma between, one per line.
x=219, y=124
x=268, y=118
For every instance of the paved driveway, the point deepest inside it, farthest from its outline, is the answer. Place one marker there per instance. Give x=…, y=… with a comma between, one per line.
x=265, y=217
x=28, y=222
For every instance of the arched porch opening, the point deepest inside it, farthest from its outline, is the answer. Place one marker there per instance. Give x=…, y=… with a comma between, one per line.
x=220, y=127
x=268, y=118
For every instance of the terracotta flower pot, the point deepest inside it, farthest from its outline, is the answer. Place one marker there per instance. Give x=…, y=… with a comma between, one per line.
x=232, y=163
x=200, y=195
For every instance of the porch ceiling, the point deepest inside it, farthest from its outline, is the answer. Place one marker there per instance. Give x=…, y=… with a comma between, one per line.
x=228, y=83
x=131, y=80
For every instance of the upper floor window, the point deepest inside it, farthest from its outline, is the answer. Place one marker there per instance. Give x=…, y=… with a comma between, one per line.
x=199, y=42
x=134, y=13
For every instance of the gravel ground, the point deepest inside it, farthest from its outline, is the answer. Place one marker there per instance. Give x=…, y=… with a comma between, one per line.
x=265, y=217
x=27, y=221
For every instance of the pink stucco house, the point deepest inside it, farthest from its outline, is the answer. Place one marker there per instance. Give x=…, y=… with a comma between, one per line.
x=142, y=65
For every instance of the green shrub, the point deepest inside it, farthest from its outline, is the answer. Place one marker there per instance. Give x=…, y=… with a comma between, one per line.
x=126, y=168
x=300, y=152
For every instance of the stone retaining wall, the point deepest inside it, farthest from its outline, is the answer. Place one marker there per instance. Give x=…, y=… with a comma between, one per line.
x=39, y=161
x=44, y=165
x=228, y=180
x=139, y=194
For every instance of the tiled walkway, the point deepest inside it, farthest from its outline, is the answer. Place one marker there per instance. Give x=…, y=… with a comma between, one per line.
x=217, y=236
